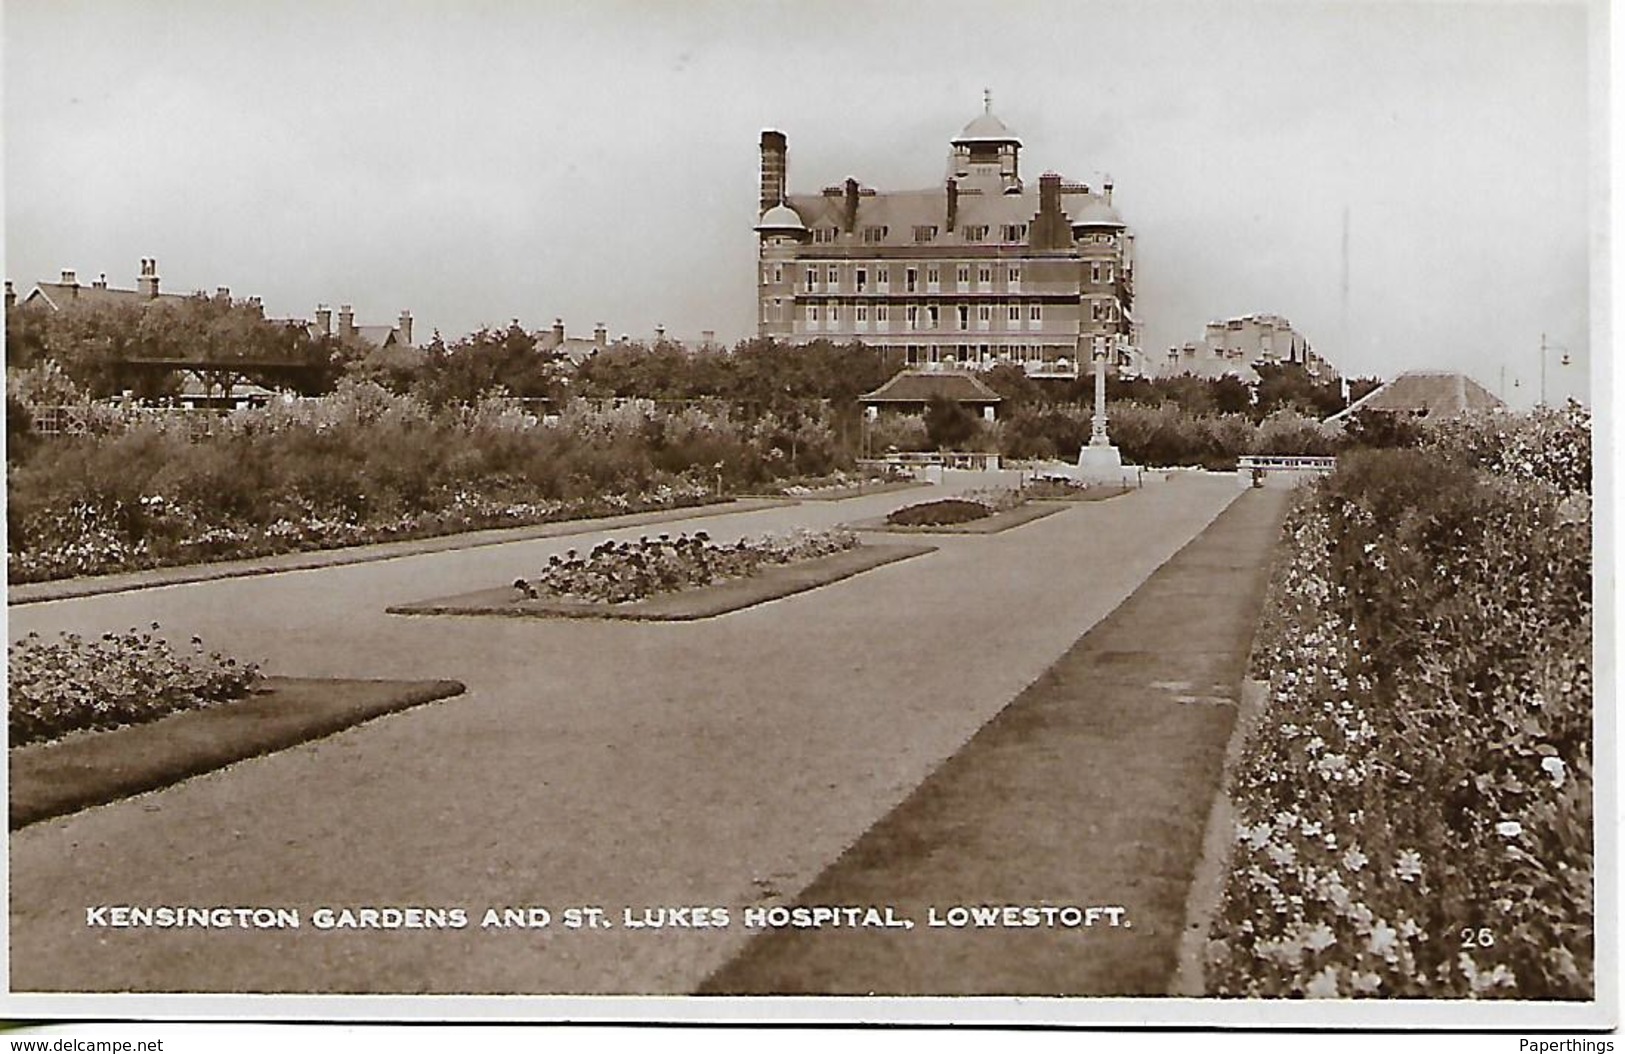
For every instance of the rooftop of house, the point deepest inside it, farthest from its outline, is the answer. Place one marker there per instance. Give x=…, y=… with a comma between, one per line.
x=1437, y=393
x=61, y=295
x=921, y=386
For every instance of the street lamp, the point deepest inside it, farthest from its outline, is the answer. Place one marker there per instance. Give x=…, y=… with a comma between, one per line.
x=1564, y=361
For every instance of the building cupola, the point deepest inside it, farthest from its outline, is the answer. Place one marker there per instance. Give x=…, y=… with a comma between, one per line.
x=986, y=153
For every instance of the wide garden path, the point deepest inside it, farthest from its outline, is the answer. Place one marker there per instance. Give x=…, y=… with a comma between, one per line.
x=725, y=762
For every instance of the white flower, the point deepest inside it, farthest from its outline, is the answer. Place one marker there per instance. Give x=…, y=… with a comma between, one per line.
x=1381, y=941
x=1354, y=859
x=1324, y=985
x=1554, y=769
x=1367, y=983
x=1408, y=868
x=1509, y=828
x=1320, y=938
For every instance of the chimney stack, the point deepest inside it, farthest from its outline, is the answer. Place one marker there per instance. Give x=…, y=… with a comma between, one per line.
x=708, y=338
x=1050, y=229
x=600, y=335
x=346, y=321
x=849, y=219
x=406, y=327
x=1107, y=187
x=558, y=332
x=324, y=320
x=223, y=292
x=147, y=283
x=11, y=296
x=953, y=204
x=101, y=282
x=69, y=277
x=775, y=169
x=660, y=334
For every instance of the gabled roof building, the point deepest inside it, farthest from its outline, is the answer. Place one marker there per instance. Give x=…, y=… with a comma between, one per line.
x=1429, y=393
x=980, y=270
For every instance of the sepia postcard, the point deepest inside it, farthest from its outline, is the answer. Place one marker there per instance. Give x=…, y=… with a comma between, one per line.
x=1054, y=513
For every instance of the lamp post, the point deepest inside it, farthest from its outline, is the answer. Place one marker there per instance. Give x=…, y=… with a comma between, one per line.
x=1564, y=361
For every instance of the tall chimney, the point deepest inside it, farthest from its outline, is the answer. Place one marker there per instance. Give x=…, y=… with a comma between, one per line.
x=324, y=319
x=11, y=296
x=406, y=327
x=1050, y=229
x=600, y=335
x=346, y=321
x=1107, y=187
x=849, y=218
x=558, y=332
x=660, y=334
x=147, y=284
x=775, y=169
x=953, y=204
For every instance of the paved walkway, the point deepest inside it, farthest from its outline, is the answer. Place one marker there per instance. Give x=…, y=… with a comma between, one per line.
x=1093, y=788
x=723, y=762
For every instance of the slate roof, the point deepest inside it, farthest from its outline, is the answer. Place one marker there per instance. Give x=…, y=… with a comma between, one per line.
x=920, y=386
x=901, y=211
x=377, y=336
x=59, y=296
x=1436, y=393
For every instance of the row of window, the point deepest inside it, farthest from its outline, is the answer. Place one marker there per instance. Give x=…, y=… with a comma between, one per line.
x=880, y=275
x=931, y=316
x=918, y=316
x=1100, y=271
x=925, y=232
x=915, y=354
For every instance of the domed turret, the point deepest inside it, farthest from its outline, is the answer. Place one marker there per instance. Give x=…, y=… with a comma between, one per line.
x=985, y=154
x=781, y=219
x=1097, y=213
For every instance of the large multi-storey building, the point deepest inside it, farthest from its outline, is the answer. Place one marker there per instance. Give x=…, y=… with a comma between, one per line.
x=1234, y=346
x=981, y=270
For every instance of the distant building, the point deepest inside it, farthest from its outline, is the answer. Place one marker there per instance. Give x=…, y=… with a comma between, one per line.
x=1426, y=393
x=68, y=294
x=911, y=391
x=1233, y=346
x=574, y=350
x=981, y=270
x=367, y=337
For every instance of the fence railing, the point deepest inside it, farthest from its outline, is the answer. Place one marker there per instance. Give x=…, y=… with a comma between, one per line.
x=977, y=462
x=1253, y=469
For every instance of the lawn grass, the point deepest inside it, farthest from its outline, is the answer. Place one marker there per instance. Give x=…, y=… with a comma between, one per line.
x=93, y=768
x=1093, y=787
x=772, y=583
x=1096, y=493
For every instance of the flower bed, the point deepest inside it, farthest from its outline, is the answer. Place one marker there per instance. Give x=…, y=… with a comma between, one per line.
x=623, y=572
x=73, y=684
x=968, y=507
x=836, y=483
x=1414, y=810
x=88, y=543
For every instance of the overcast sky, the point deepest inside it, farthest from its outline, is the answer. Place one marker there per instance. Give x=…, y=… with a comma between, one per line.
x=479, y=162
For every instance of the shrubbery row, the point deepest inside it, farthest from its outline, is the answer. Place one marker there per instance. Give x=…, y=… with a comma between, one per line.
x=1414, y=810
x=364, y=464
